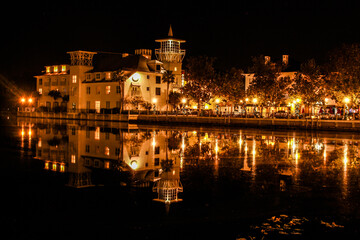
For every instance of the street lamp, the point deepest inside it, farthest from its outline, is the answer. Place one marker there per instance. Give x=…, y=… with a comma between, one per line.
x=154, y=104
x=30, y=100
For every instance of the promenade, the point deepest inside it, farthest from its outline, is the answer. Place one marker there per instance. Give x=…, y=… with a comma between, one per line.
x=274, y=123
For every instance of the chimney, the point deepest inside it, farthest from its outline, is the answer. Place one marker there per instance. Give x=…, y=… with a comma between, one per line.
x=285, y=59
x=144, y=52
x=267, y=59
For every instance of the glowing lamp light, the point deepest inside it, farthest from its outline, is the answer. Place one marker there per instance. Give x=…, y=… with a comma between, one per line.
x=246, y=99
x=30, y=100
x=255, y=100
x=299, y=100
x=134, y=165
x=346, y=100
x=154, y=100
x=22, y=100
x=183, y=100
x=217, y=100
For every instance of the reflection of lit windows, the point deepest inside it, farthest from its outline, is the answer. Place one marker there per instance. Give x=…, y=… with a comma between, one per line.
x=62, y=168
x=46, y=165
x=107, y=151
x=97, y=133
x=107, y=164
x=54, y=167
x=73, y=158
x=39, y=143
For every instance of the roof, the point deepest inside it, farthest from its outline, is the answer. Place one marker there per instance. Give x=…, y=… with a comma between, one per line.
x=114, y=61
x=170, y=37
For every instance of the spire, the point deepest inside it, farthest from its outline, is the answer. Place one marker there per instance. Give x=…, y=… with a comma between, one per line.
x=170, y=34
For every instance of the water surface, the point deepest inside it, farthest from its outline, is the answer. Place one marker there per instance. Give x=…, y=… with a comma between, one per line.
x=114, y=180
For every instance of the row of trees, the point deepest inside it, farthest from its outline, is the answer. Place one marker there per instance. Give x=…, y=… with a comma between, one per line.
x=337, y=79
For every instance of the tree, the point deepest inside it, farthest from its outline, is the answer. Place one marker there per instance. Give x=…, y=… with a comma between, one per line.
x=168, y=78
x=200, y=78
x=267, y=86
x=231, y=86
x=120, y=76
x=309, y=85
x=343, y=73
x=174, y=99
x=55, y=94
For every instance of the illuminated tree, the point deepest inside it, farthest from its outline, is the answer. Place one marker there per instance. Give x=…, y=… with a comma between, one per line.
x=121, y=78
x=200, y=79
x=309, y=85
x=343, y=73
x=168, y=78
x=269, y=89
x=231, y=86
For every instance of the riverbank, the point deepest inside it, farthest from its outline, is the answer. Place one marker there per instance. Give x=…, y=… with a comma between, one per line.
x=272, y=123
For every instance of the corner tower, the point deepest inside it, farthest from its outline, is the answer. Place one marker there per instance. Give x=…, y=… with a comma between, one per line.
x=171, y=55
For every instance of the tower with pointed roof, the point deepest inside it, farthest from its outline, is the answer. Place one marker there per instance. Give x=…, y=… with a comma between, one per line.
x=171, y=54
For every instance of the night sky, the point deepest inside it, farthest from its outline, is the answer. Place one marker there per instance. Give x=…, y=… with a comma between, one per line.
x=35, y=34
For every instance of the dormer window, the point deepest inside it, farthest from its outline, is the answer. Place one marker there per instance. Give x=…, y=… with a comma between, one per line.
x=63, y=68
x=56, y=69
x=97, y=76
x=108, y=75
x=47, y=69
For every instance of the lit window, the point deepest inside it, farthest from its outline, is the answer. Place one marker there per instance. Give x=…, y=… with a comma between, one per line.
x=46, y=165
x=63, y=68
x=97, y=106
x=62, y=168
x=73, y=158
x=55, y=68
x=108, y=75
x=175, y=69
x=40, y=91
x=97, y=133
x=47, y=69
x=74, y=78
x=108, y=89
x=54, y=167
x=107, y=164
x=107, y=151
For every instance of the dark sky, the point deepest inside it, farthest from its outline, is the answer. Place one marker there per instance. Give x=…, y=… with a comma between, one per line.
x=35, y=34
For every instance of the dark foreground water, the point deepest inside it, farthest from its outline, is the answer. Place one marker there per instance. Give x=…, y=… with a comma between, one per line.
x=108, y=181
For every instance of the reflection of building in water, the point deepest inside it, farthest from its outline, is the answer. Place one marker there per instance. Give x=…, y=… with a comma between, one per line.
x=78, y=151
x=168, y=187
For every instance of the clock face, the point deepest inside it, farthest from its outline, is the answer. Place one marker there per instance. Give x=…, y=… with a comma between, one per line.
x=135, y=77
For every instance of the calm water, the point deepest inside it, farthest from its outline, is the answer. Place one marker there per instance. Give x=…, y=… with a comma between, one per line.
x=119, y=181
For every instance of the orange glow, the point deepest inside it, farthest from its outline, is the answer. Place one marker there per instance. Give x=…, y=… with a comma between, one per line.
x=55, y=68
x=30, y=100
x=46, y=166
x=22, y=100
x=63, y=68
x=62, y=168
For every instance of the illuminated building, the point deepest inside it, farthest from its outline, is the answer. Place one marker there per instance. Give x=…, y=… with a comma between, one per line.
x=90, y=83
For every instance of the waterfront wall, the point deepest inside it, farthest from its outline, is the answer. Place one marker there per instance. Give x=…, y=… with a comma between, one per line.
x=311, y=124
